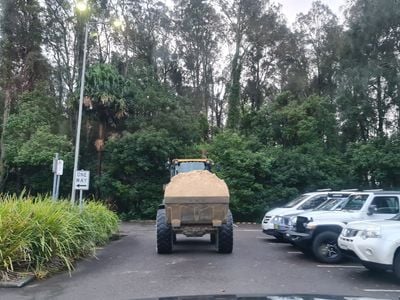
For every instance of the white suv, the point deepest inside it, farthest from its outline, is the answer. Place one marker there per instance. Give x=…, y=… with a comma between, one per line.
x=284, y=223
x=375, y=243
x=302, y=203
x=318, y=232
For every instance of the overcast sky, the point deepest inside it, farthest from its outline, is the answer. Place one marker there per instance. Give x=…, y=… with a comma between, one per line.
x=292, y=7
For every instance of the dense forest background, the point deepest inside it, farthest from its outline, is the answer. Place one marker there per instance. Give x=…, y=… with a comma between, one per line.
x=281, y=109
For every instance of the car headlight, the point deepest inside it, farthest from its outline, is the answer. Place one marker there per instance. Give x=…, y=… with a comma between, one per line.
x=371, y=233
x=276, y=220
x=293, y=220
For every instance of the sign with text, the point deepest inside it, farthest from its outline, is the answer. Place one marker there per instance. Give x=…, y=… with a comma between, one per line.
x=59, y=167
x=82, y=180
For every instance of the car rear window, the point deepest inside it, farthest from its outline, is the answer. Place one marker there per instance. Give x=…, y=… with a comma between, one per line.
x=386, y=204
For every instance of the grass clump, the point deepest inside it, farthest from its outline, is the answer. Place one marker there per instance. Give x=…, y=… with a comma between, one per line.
x=39, y=235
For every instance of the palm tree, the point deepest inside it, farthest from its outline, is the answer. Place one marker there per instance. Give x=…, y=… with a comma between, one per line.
x=105, y=95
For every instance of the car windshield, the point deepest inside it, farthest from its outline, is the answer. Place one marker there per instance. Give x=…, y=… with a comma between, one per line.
x=296, y=201
x=355, y=202
x=332, y=203
x=184, y=167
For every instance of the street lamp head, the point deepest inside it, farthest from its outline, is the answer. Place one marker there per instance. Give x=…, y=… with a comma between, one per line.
x=119, y=23
x=82, y=5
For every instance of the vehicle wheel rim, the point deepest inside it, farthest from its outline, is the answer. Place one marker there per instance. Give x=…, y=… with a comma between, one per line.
x=329, y=249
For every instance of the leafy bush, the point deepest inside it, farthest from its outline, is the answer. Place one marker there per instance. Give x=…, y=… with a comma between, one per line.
x=135, y=175
x=245, y=166
x=38, y=234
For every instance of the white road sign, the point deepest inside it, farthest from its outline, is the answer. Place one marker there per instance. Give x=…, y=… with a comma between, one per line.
x=59, y=167
x=82, y=180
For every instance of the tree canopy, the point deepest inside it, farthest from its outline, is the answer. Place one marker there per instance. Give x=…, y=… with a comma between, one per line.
x=281, y=109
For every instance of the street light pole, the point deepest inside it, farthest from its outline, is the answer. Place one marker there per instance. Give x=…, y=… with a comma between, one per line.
x=78, y=127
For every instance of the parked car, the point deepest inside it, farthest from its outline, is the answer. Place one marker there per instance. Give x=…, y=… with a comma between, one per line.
x=285, y=222
x=303, y=202
x=375, y=243
x=317, y=232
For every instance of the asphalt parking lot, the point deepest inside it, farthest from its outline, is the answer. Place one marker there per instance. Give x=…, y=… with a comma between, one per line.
x=130, y=268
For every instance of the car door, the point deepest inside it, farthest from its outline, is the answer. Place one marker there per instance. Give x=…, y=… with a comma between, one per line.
x=386, y=207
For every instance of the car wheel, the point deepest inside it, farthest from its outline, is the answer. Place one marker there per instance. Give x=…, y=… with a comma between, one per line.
x=326, y=249
x=396, y=265
x=225, y=236
x=164, y=233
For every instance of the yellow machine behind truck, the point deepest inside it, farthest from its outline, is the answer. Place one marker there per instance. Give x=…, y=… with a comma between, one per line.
x=196, y=203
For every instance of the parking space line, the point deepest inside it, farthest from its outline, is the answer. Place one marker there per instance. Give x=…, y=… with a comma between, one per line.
x=379, y=290
x=339, y=266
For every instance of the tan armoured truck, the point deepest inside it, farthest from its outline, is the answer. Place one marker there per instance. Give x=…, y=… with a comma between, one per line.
x=196, y=203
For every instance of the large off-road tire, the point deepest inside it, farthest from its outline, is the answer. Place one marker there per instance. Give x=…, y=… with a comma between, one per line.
x=325, y=247
x=396, y=265
x=164, y=233
x=225, y=236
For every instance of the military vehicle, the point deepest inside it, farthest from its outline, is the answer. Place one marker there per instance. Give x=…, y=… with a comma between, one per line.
x=196, y=203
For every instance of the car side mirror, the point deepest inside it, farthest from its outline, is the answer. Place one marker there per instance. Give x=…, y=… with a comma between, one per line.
x=371, y=210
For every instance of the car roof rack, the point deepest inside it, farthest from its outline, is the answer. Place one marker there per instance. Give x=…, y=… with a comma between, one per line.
x=373, y=190
x=323, y=190
x=349, y=190
x=339, y=194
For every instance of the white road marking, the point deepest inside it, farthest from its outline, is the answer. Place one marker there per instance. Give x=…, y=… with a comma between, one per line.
x=295, y=252
x=339, y=266
x=378, y=290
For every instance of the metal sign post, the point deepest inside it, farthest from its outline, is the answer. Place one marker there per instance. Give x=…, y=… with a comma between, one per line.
x=55, y=159
x=58, y=168
x=80, y=200
x=81, y=183
x=59, y=172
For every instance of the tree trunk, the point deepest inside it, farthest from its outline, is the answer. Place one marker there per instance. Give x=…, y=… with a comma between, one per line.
x=205, y=88
x=100, y=148
x=380, y=107
x=398, y=107
x=6, y=114
x=234, y=93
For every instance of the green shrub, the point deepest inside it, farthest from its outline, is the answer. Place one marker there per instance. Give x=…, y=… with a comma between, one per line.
x=38, y=234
